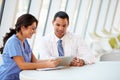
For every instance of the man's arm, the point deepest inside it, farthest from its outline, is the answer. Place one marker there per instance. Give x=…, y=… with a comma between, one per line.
x=85, y=53
x=43, y=49
x=77, y=62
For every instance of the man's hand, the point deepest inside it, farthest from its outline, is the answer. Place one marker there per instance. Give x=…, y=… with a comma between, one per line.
x=77, y=62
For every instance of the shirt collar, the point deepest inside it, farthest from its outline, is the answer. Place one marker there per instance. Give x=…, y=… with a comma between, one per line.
x=66, y=35
x=56, y=38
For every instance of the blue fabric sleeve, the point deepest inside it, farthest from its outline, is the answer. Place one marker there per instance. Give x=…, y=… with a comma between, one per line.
x=14, y=48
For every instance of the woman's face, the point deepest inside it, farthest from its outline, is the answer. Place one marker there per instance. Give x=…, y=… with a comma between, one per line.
x=29, y=31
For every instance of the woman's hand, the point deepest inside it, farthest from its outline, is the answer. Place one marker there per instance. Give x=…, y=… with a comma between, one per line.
x=53, y=62
x=77, y=62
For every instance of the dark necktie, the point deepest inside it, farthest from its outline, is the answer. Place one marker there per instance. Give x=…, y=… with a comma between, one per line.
x=60, y=48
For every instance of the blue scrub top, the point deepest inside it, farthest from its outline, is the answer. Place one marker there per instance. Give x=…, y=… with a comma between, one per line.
x=13, y=47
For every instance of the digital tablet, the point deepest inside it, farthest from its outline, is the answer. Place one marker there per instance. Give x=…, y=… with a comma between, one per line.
x=66, y=61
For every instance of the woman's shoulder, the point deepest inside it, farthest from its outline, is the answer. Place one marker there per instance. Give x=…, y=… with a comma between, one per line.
x=13, y=39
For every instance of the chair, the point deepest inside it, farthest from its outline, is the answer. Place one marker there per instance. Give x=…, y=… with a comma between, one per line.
x=118, y=37
x=113, y=43
x=110, y=57
x=106, y=32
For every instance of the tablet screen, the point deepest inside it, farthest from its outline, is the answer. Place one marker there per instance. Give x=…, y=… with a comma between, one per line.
x=65, y=60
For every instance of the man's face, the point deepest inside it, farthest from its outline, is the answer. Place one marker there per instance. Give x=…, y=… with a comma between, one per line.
x=60, y=26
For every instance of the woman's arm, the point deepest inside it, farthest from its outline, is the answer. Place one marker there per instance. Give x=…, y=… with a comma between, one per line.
x=31, y=65
x=34, y=59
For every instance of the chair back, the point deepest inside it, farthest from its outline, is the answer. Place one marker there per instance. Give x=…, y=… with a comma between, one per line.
x=118, y=37
x=113, y=43
x=110, y=57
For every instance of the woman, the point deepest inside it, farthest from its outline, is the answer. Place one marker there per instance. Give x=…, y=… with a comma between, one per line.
x=16, y=52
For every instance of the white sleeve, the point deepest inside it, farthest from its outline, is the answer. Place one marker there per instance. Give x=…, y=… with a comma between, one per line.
x=43, y=50
x=84, y=52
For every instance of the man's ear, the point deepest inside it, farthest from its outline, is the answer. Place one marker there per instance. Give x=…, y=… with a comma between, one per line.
x=53, y=22
x=68, y=23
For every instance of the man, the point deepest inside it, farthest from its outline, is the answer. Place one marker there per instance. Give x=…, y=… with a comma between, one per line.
x=72, y=44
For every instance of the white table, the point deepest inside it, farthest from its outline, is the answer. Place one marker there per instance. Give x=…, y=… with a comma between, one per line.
x=99, y=71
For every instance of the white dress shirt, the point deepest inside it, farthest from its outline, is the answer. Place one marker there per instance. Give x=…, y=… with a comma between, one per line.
x=73, y=45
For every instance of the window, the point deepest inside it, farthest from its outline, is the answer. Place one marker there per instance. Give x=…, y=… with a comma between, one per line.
x=2, y=2
x=22, y=7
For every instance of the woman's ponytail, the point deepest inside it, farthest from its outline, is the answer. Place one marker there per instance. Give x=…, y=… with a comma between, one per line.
x=7, y=36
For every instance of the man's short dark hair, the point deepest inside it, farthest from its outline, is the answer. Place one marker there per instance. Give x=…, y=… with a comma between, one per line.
x=62, y=15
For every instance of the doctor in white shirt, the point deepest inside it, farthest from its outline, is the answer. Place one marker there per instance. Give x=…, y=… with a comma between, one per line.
x=72, y=44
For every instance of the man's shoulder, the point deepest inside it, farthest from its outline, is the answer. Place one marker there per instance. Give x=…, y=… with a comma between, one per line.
x=47, y=36
x=73, y=35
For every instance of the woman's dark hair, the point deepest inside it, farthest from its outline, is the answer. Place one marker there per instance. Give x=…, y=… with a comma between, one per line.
x=24, y=20
x=62, y=15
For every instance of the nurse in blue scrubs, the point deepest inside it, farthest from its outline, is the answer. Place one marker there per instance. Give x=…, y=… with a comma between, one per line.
x=16, y=52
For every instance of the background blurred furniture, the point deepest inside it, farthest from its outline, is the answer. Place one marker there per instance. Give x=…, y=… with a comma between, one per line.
x=110, y=57
x=118, y=37
x=113, y=43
